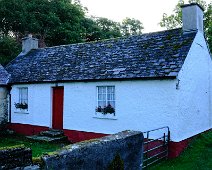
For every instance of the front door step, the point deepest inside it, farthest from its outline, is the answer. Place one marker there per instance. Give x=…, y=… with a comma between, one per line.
x=47, y=138
x=51, y=135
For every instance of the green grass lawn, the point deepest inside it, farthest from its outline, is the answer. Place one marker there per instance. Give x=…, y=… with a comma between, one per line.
x=198, y=156
x=38, y=148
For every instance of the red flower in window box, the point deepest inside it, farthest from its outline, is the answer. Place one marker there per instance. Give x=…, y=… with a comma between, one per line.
x=106, y=110
x=21, y=105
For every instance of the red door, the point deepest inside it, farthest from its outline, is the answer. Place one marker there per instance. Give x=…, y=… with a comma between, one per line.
x=57, y=108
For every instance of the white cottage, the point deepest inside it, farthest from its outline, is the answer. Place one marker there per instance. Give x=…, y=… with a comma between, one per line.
x=138, y=82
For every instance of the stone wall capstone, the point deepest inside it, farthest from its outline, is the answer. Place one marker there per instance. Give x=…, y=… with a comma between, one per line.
x=122, y=148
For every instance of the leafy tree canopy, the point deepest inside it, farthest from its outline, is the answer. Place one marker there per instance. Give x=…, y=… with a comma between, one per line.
x=131, y=26
x=100, y=28
x=175, y=20
x=9, y=49
x=109, y=28
x=57, y=22
x=103, y=28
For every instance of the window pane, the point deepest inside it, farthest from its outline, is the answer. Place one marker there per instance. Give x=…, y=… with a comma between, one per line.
x=110, y=97
x=99, y=96
x=113, y=97
x=104, y=97
x=23, y=95
x=112, y=103
x=111, y=93
x=102, y=103
x=110, y=89
x=101, y=90
x=24, y=101
x=19, y=95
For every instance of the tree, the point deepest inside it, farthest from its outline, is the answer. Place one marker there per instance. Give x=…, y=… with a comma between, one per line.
x=70, y=28
x=208, y=25
x=92, y=30
x=108, y=28
x=9, y=49
x=52, y=21
x=103, y=28
x=175, y=20
x=131, y=26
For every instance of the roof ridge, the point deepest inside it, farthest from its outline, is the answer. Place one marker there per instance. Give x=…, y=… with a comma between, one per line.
x=110, y=39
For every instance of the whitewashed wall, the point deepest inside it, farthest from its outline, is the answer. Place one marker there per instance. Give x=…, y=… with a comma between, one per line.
x=140, y=105
x=39, y=105
x=194, y=92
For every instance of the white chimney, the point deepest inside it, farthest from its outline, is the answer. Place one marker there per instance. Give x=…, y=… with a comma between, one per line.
x=29, y=43
x=192, y=17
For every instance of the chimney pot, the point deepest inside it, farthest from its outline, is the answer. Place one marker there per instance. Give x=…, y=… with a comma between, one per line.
x=192, y=17
x=30, y=35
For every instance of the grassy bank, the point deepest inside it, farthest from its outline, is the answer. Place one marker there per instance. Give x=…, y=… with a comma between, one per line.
x=198, y=156
x=38, y=148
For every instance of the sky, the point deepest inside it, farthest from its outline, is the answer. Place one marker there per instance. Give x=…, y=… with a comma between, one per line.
x=149, y=12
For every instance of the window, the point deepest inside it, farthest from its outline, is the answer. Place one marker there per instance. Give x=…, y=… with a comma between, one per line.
x=23, y=95
x=106, y=99
x=23, y=99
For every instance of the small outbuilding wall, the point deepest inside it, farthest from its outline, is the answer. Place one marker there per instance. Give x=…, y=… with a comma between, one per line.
x=3, y=104
x=15, y=156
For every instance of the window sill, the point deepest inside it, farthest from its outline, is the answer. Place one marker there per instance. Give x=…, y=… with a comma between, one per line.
x=22, y=111
x=106, y=116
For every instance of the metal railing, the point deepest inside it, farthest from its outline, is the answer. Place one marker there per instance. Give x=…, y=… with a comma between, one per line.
x=155, y=148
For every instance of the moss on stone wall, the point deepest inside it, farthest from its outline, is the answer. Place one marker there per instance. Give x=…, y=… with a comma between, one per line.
x=117, y=163
x=12, y=147
x=37, y=161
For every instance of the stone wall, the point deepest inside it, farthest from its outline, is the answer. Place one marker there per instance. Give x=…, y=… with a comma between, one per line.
x=3, y=105
x=15, y=157
x=122, y=150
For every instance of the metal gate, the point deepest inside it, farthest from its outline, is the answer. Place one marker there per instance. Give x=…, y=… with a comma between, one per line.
x=156, y=146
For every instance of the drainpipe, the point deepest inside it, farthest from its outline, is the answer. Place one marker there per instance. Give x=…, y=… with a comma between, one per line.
x=9, y=105
x=9, y=118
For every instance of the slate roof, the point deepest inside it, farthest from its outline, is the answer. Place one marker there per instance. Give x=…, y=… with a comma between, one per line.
x=153, y=55
x=4, y=76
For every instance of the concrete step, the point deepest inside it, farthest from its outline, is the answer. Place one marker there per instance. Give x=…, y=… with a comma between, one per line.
x=52, y=133
x=48, y=138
